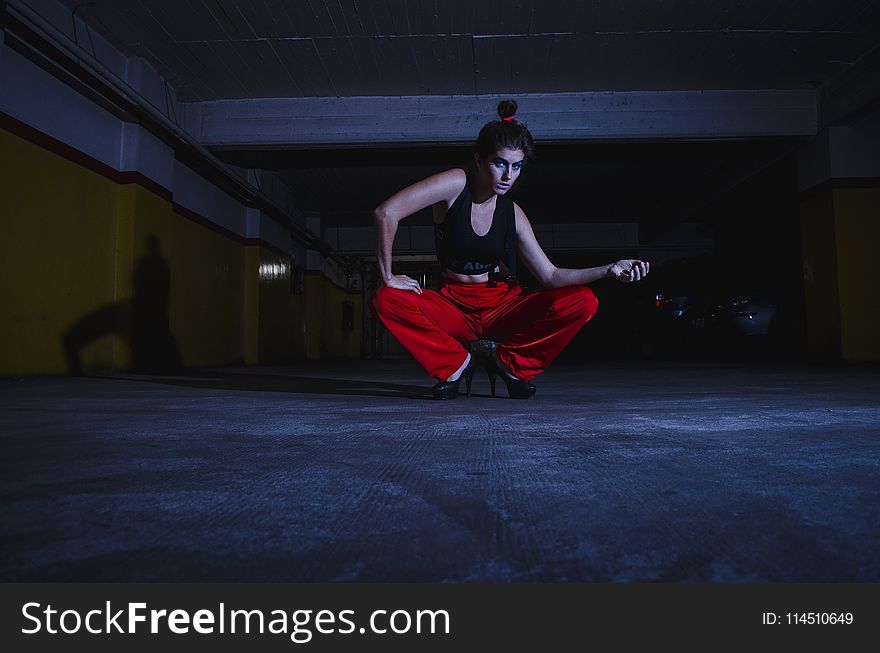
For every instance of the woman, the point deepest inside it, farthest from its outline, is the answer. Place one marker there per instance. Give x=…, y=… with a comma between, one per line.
x=478, y=230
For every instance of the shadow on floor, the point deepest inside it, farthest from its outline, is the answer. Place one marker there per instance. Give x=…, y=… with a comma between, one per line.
x=282, y=383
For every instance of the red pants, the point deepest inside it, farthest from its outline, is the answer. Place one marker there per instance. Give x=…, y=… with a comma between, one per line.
x=531, y=327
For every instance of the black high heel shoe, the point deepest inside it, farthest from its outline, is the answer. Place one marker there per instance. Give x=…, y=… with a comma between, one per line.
x=449, y=389
x=516, y=388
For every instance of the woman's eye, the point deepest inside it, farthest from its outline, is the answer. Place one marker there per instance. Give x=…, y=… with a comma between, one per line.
x=517, y=166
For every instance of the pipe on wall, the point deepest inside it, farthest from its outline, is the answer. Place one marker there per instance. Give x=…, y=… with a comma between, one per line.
x=74, y=64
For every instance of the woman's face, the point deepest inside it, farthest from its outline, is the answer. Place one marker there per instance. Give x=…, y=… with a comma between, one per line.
x=501, y=169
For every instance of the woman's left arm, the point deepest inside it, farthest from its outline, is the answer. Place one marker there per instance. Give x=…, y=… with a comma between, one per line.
x=550, y=276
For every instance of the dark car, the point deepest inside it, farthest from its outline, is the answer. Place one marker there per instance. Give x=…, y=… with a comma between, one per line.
x=742, y=314
x=694, y=307
x=675, y=307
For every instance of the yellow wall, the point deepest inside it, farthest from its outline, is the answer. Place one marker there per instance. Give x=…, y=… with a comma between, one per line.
x=313, y=309
x=252, y=304
x=857, y=226
x=822, y=309
x=59, y=251
x=322, y=319
x=841, y=233
x=207, y=280
x=73, y=242
x=281, y=326
x=335, y=342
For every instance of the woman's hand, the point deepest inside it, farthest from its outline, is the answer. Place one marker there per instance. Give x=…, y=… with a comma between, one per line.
x=629, y=270
x=403, y=282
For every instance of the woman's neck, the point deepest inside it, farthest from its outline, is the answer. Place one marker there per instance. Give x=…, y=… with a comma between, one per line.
x=480, y=194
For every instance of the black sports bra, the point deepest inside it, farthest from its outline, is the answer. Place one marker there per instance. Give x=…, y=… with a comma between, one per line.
x=461, y=250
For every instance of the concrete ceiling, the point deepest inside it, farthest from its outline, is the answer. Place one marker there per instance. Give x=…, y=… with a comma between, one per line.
x=220, y=49
x=246, y=54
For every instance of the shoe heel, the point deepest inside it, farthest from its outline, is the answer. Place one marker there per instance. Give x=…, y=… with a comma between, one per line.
x=468, y=379
x=490, y=371
x=516, y=388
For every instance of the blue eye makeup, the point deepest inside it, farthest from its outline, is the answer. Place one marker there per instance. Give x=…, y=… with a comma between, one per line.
x=500, y=163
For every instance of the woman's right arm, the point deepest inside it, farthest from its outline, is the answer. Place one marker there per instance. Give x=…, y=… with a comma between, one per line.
x=442, y=187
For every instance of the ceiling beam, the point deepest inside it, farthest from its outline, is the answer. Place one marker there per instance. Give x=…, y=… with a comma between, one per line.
x=660, y=115
x=853, y=92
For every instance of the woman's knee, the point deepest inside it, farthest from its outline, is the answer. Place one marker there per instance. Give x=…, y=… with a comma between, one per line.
x=587, y=302
x=387, y=300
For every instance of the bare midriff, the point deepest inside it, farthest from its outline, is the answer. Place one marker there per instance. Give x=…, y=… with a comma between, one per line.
x=467, y=278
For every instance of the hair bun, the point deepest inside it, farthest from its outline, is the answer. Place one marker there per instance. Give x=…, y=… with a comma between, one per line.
x=507, y=109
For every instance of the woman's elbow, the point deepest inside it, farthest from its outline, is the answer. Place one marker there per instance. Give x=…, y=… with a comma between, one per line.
x=547, y=278
x=383, y=216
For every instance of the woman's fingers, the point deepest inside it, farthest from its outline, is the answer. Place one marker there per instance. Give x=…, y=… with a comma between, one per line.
x=403, y=282
x=636, y=271
x=640, y=269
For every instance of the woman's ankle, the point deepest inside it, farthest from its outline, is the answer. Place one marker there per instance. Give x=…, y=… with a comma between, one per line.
x=457, y=374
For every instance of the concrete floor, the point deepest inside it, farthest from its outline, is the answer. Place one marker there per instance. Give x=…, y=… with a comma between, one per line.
x=337, y=472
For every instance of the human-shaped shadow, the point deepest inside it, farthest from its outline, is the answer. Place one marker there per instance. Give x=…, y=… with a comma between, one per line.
x=142, y=321
x=153, y=347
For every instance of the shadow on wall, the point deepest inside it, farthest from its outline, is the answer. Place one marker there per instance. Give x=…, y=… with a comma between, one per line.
x=142, y=320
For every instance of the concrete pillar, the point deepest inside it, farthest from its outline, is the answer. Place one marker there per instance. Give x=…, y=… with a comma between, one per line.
x=313, y=294
x=838, y=174
x=252, y=287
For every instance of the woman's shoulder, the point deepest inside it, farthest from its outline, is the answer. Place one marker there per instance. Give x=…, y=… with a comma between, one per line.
x=454, y=182
x=457, y=174
x=520, y=219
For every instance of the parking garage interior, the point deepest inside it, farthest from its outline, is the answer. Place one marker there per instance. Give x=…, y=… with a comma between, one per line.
x=194, y=387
